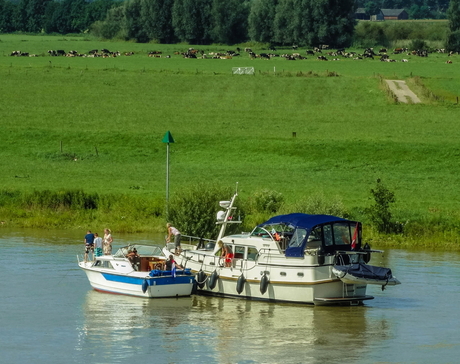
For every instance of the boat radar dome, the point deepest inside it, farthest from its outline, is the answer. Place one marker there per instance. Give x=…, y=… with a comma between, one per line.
x=224, y=204
x=220, y=216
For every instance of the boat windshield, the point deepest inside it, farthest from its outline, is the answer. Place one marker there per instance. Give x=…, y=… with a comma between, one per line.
x=297, y=238
x=143, y=250
x=273, y=229
x=259, y=231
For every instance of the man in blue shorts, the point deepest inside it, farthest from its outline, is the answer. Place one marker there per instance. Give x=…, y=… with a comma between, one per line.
x=89, y=244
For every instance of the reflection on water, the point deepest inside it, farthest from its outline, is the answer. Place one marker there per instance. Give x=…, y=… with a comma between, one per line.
x=224, y=330
x=120, y=324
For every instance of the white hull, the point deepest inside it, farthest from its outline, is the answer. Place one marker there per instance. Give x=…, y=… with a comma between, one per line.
x=301, y=281
x=131, y=285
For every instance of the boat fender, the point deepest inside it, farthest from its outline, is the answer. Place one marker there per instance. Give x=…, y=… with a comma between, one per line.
x=367, y=256
x=264, y=283
x=201, y=278
x=145, y=285
x=240, y=284
x=213, y=280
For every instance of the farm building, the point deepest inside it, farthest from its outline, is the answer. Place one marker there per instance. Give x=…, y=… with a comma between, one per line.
x=361, y=14
x=394, y=14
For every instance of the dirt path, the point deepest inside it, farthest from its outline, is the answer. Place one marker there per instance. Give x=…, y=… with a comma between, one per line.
x=402, y=92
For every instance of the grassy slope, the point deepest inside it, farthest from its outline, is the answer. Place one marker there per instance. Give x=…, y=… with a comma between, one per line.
x=227, y=128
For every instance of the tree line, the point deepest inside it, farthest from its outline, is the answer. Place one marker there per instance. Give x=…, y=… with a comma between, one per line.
x=193, y=21
x=275, y=22
x=49, y=16
x=286, y=22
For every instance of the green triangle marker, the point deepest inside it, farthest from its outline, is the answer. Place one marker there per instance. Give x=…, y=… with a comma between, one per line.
x=168, y=138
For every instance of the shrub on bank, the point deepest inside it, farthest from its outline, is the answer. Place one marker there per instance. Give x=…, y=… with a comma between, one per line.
x=194, y=209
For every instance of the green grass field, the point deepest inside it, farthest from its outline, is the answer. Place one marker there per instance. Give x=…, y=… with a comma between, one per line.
x=97, y=124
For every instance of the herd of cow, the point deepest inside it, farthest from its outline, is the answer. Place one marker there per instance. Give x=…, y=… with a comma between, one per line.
x=321, y=53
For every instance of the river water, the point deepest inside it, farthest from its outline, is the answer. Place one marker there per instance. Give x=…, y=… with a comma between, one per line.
x=49, y=314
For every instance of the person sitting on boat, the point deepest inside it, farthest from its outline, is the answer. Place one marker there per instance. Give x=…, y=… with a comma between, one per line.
x=228, y=256
x=171, y=262
x=133, y=257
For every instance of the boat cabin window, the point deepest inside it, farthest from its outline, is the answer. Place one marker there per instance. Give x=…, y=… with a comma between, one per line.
x=244, y=252
x=252, y=253
x=342, y=234
x=314, y=239
x=239, y=252
x=338, y=235
x=103, y=264
x=327, y=231
x=297, y=238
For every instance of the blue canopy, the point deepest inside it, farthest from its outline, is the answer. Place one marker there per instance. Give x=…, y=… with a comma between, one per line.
x=303, y=221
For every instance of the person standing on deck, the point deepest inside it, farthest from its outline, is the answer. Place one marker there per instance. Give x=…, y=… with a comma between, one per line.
x=89, y=244
x=97, y=245
x=107, y=245
x=172, y=231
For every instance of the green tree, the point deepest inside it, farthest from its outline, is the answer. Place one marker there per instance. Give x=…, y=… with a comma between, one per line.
x=156, y=17
x=30, y=15
x=111, y=27
x=50, y=17
x=286, y=24
x=315, y=22
x=372, y=7
x=334, y=22
x=379, y=213
x=261, y=20
x=191, y=20
x=132, y=27
x=453, y=37
x=7, y=10
x=97, y=10
x=229, y=21
x=193, y=210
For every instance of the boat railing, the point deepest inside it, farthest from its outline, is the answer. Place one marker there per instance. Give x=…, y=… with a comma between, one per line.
x=196, y=241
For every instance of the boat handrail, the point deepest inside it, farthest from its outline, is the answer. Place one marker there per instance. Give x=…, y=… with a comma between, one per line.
x=190, y=238
x=363, y=252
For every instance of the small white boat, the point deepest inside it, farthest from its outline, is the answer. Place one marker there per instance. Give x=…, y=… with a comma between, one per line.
x=143, y=276
x=289, y=258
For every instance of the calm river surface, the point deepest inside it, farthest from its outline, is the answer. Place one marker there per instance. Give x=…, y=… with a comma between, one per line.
x=49, y=314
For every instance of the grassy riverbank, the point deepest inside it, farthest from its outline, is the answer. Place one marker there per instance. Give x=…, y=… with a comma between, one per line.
x=96, y=125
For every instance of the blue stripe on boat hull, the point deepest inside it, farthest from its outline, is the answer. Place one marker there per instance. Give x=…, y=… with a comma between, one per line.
x=157, y=281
